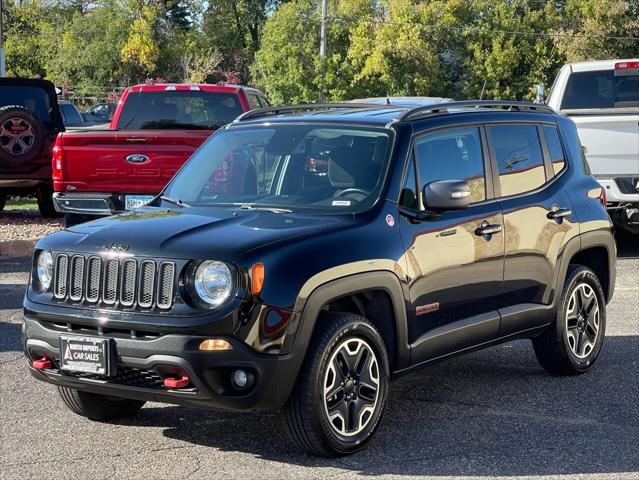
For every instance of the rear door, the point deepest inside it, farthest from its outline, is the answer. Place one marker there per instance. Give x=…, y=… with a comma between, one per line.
x=455, y=272
x=529, y=166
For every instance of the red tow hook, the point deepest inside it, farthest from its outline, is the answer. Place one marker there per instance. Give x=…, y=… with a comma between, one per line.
x=42, y=363
x=181, y=382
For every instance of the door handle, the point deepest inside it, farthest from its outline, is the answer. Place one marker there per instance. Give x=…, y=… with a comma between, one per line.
x=559, y=213
x=136, y=140
x=487, y=229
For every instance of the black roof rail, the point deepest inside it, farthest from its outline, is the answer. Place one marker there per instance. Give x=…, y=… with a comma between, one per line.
x=419, y=112
x=305, y=107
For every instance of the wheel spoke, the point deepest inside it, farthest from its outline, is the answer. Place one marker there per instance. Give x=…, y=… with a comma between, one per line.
x=336, y=391
x=361, y=361
x=592, y=303
x=341, y=364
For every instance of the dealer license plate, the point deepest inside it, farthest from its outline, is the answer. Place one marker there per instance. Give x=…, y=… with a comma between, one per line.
x=84, y=354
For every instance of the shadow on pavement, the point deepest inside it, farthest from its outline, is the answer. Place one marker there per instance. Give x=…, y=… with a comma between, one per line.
x=488, y=413
x=14, y=264
x=12, y=296
x=627, y=245
x=10, y=337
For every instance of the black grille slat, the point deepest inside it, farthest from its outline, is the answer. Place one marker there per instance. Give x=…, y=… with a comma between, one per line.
x=94, y=270
x=147, y=283
x=77, y=278
x=166, y=278
x=114, y=282
x=110, y=287
x=135, y=377
x=127, y=285
x=61, y=275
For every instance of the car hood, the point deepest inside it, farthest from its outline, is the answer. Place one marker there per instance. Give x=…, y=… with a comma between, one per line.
x=189, y=233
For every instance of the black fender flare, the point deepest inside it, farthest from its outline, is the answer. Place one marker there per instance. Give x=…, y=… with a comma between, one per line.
x=595, y=238
x=301, y=333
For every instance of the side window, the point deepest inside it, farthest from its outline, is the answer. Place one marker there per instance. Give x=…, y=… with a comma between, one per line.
x=253, y=101
x=454, y=154
x=519, y=159
x=263, y=101
x=554, y=148
x=408, y=197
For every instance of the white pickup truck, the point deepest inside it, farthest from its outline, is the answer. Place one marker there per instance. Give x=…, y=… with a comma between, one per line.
x=602, y=98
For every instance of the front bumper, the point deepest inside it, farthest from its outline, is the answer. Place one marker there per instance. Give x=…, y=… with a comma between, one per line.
x=142, y=362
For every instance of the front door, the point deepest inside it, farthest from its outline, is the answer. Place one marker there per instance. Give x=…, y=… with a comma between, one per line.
x=455, y=267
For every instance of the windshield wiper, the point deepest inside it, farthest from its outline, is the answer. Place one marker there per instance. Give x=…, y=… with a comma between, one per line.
x=250, y=206
x=174, y=201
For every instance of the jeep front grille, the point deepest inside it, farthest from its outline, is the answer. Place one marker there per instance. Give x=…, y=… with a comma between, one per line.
x=114, y=282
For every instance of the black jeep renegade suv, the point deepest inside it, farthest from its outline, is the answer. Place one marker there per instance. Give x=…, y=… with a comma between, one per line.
x=306, y=255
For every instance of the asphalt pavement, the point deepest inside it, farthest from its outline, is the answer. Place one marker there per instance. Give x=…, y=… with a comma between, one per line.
x=493, y=413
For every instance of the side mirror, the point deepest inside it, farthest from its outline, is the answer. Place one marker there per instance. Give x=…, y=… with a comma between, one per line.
x=446, y=195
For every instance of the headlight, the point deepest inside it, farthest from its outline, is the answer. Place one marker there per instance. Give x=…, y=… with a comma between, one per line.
x=44, y=269
x=213, y=282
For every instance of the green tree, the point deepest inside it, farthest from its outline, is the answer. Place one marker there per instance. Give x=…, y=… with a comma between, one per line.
x=84, y=51
x=589, y=24
x=286, y=65
x=509, y=50
x=234, y=28
x=140, y=52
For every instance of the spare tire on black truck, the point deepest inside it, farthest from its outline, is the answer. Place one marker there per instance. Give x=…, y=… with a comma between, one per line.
x=22, y=135
x=30, y=120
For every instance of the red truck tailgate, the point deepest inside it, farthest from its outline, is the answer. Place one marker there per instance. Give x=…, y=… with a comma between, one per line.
x=140, y=161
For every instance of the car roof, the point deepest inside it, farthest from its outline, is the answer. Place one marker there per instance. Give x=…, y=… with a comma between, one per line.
x=379, y=115
x=598, y=64
x=204, y=87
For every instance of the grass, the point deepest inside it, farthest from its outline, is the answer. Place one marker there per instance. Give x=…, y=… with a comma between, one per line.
x=21, y=203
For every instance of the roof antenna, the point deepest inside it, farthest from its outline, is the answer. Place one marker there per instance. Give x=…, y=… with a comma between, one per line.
x=387, y=100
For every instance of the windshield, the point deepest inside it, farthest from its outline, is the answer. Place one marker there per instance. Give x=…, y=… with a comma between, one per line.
x=287, y=167
x=601, y=89
x=178, y=110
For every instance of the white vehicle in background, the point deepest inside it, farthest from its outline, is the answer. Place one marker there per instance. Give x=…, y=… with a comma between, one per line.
x=602, y=98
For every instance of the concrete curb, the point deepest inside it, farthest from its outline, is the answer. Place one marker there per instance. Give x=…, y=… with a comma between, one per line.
x=17, y=248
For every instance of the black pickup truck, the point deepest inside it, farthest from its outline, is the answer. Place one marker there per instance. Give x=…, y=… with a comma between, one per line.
x=30, y=120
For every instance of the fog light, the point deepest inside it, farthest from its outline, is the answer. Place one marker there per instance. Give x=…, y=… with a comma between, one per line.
x=215, y=344
x=241, y=379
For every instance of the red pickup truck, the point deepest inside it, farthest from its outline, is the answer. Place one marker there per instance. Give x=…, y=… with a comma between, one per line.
x=154, y=130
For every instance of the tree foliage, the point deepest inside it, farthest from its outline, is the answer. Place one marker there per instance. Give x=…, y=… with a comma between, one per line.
x=455, y=48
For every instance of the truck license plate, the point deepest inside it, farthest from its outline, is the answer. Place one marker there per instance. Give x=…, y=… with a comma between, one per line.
x=131, y=202
x=84, y=354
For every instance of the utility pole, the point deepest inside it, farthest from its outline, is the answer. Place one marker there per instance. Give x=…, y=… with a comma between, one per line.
x=322, y=51
x=3, y=70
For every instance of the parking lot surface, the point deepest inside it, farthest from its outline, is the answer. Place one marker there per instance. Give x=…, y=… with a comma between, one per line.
x=493, y=413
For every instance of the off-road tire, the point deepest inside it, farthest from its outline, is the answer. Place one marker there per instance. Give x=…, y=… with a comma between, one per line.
x=33, y=144
x=98, y=407
x=305, y=417
x=552, y=347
